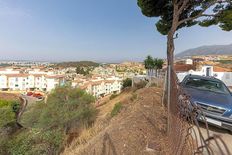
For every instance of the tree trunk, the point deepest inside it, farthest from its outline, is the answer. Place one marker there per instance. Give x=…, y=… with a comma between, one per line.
x=170, y=37
x=170, y=49
x=170, y=44
x=170, y=61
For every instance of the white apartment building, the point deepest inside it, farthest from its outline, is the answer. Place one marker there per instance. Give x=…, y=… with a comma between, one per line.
x=3, y=82
x=52, y=81
x=38, y=71
x=34, y=80
x=9, y=71
x=99, y=86
x=17, y=81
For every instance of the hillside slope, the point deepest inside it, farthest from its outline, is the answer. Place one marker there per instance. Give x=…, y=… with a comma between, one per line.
x=77, y=63
x=207, y=50
x=138, y=129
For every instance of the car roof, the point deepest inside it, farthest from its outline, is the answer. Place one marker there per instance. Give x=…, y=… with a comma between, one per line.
x=204, y=77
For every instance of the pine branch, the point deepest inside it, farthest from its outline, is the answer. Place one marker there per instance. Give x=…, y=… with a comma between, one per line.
x=183, y=6
x=200, y=14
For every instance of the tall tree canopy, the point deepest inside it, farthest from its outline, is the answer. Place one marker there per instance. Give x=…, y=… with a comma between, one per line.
x=149, y=65
x=188, y=13
x=149, y=62
x=176, y=14
x=152, y=64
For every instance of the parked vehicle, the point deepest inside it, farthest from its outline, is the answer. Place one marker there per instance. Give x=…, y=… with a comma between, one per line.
x=29, y=93
x=213, y=98
x=36, y=95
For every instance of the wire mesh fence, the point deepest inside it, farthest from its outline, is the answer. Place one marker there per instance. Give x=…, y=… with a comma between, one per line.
x=185, y=135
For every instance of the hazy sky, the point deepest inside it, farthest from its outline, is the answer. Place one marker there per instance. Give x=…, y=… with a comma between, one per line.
x=103, y=30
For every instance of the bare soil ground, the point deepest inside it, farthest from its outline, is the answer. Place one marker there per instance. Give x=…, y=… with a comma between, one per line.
x=138, y=129
x=9, y=96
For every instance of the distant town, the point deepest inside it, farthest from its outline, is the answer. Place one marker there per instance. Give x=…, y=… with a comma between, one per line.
x=101, y=79
x=97, y=79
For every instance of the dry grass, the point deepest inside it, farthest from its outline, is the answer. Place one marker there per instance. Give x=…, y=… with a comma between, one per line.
x=140, y=125
x=101, y=123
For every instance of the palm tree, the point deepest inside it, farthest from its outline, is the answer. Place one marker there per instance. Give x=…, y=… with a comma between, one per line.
x=158, y=65
x=149, y=65
x=155, y=65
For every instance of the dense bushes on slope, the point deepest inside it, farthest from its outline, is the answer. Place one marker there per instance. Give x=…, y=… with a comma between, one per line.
x=47, y=125
x=7, y=112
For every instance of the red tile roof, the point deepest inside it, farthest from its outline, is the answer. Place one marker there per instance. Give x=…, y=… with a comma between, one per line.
x=183, y=67
x=54, y=76
x=37, y=75
x=17, y=75
x=221, y=69
x=96, y=83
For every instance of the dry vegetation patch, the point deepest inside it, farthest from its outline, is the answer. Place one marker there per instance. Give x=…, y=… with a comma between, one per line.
x=139, y=127
x=9, y=96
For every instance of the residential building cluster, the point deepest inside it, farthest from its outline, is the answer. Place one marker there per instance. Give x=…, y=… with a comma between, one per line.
x=205, y=66
x=29, y=79
x=25, y=63
x=99, y=86
x=135, y=67
x=102, y=80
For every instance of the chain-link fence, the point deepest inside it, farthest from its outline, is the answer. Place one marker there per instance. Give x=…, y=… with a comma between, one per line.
x=185, y=136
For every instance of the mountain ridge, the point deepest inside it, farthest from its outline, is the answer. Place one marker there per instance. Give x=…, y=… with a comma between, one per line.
x=207, y=50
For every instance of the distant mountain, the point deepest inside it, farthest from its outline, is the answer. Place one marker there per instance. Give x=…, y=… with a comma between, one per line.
x=207, y=50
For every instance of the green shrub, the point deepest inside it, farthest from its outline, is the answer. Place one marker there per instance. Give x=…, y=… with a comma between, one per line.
x=33, y=142
x=117, y=108
x=127, y=83
x=52, y=139
x=31, y=116
x=48, y=123
x=20, y=144
x=7, y=116
x=15, y=106
x=64, y=107
x=113, y=96
x=7, y=112
x=4, y=103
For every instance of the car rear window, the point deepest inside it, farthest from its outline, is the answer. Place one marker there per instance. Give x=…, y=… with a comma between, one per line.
x=205, y=84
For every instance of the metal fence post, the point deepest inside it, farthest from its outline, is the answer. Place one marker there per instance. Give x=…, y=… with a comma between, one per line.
x=164, y=89
x=169, y=97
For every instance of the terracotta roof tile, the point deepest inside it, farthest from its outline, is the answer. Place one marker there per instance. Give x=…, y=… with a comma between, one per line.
x=221, y=69
x=183, y=67
x=37, y=75
x=54, y=76
x=17, y=75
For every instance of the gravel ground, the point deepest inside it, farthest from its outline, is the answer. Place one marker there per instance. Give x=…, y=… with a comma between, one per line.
x=224, y=134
